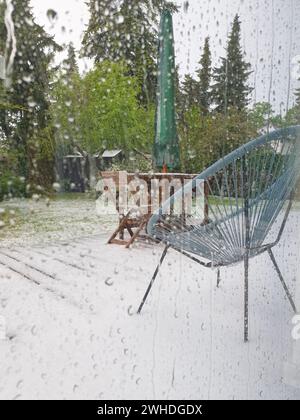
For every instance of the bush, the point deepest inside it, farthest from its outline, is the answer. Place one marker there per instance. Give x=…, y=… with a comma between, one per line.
x=11, y=186
x=207, y=138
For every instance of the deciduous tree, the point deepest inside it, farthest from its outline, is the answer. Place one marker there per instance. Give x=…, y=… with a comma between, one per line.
x=126, y=31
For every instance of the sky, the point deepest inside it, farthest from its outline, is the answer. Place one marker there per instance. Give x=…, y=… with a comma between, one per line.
x=270, y=38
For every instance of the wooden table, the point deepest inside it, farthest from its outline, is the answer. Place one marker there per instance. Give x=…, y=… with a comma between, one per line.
x=127, y=222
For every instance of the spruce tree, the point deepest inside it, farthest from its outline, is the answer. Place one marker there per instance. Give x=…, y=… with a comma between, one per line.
x=205, y=74
x=190, y=92
x=28, y=86
x=298, y=97
x=2, y=29
x=70, y=65
x=126, y=31
x=231, y=89
x=179, y=99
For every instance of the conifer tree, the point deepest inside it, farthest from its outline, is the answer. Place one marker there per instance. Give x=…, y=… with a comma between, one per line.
x=204, y=74
x=190, y=92
x=298, y=97
x=27, y=87
x=231, y=88
x=70, y=65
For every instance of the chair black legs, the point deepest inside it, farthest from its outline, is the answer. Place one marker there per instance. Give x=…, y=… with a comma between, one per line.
x=246, y=287
x=153, y=279
x=289, y=296
x=218, y=278
x=246, y=297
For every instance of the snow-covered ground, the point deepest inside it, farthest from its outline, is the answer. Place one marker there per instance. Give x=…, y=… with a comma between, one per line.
x=72, y=329
x=52, y=220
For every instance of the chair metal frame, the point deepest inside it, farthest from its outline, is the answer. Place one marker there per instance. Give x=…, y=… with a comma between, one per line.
x=247, y=255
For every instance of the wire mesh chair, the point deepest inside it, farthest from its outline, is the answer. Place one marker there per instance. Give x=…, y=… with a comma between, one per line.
x=246, y=192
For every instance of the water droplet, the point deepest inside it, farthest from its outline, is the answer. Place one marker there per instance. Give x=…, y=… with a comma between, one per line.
x=130, y=310
x=120, y=19
x=109, y=281
x=34, y=330
x=52, y=15
x=20, y=384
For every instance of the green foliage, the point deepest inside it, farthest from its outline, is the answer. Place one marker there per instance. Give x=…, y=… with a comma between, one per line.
x=204, y=74
x=294, y=114
x=101, y=111
x=208, y=135
x=207, y=138
x=231, y=88
x=297, y=93
x=11, y=186
x=126, y=31
x=42, y=146
x=298, y=98
x=28, y=90
x=68, y=101
x=196, y=91
x=112, y=106
x=70, y=65
x=292, y=117
x=133, y=163
x=2, y=28
x=261, y=115
x=111, y=116
x=190, y=92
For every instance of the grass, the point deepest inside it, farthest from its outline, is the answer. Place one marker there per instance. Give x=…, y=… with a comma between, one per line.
x=13, y=215
x=63, y=217
x=57, y=218
x=73, y=196
x=10, y=218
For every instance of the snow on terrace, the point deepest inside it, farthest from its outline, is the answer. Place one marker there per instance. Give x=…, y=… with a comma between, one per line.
x=72, y=330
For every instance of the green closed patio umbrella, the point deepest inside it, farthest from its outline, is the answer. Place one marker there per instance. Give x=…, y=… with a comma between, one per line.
x=166, y=147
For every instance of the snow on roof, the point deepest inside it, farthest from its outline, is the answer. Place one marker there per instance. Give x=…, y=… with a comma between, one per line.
x=77, y=156
x=111, y=153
